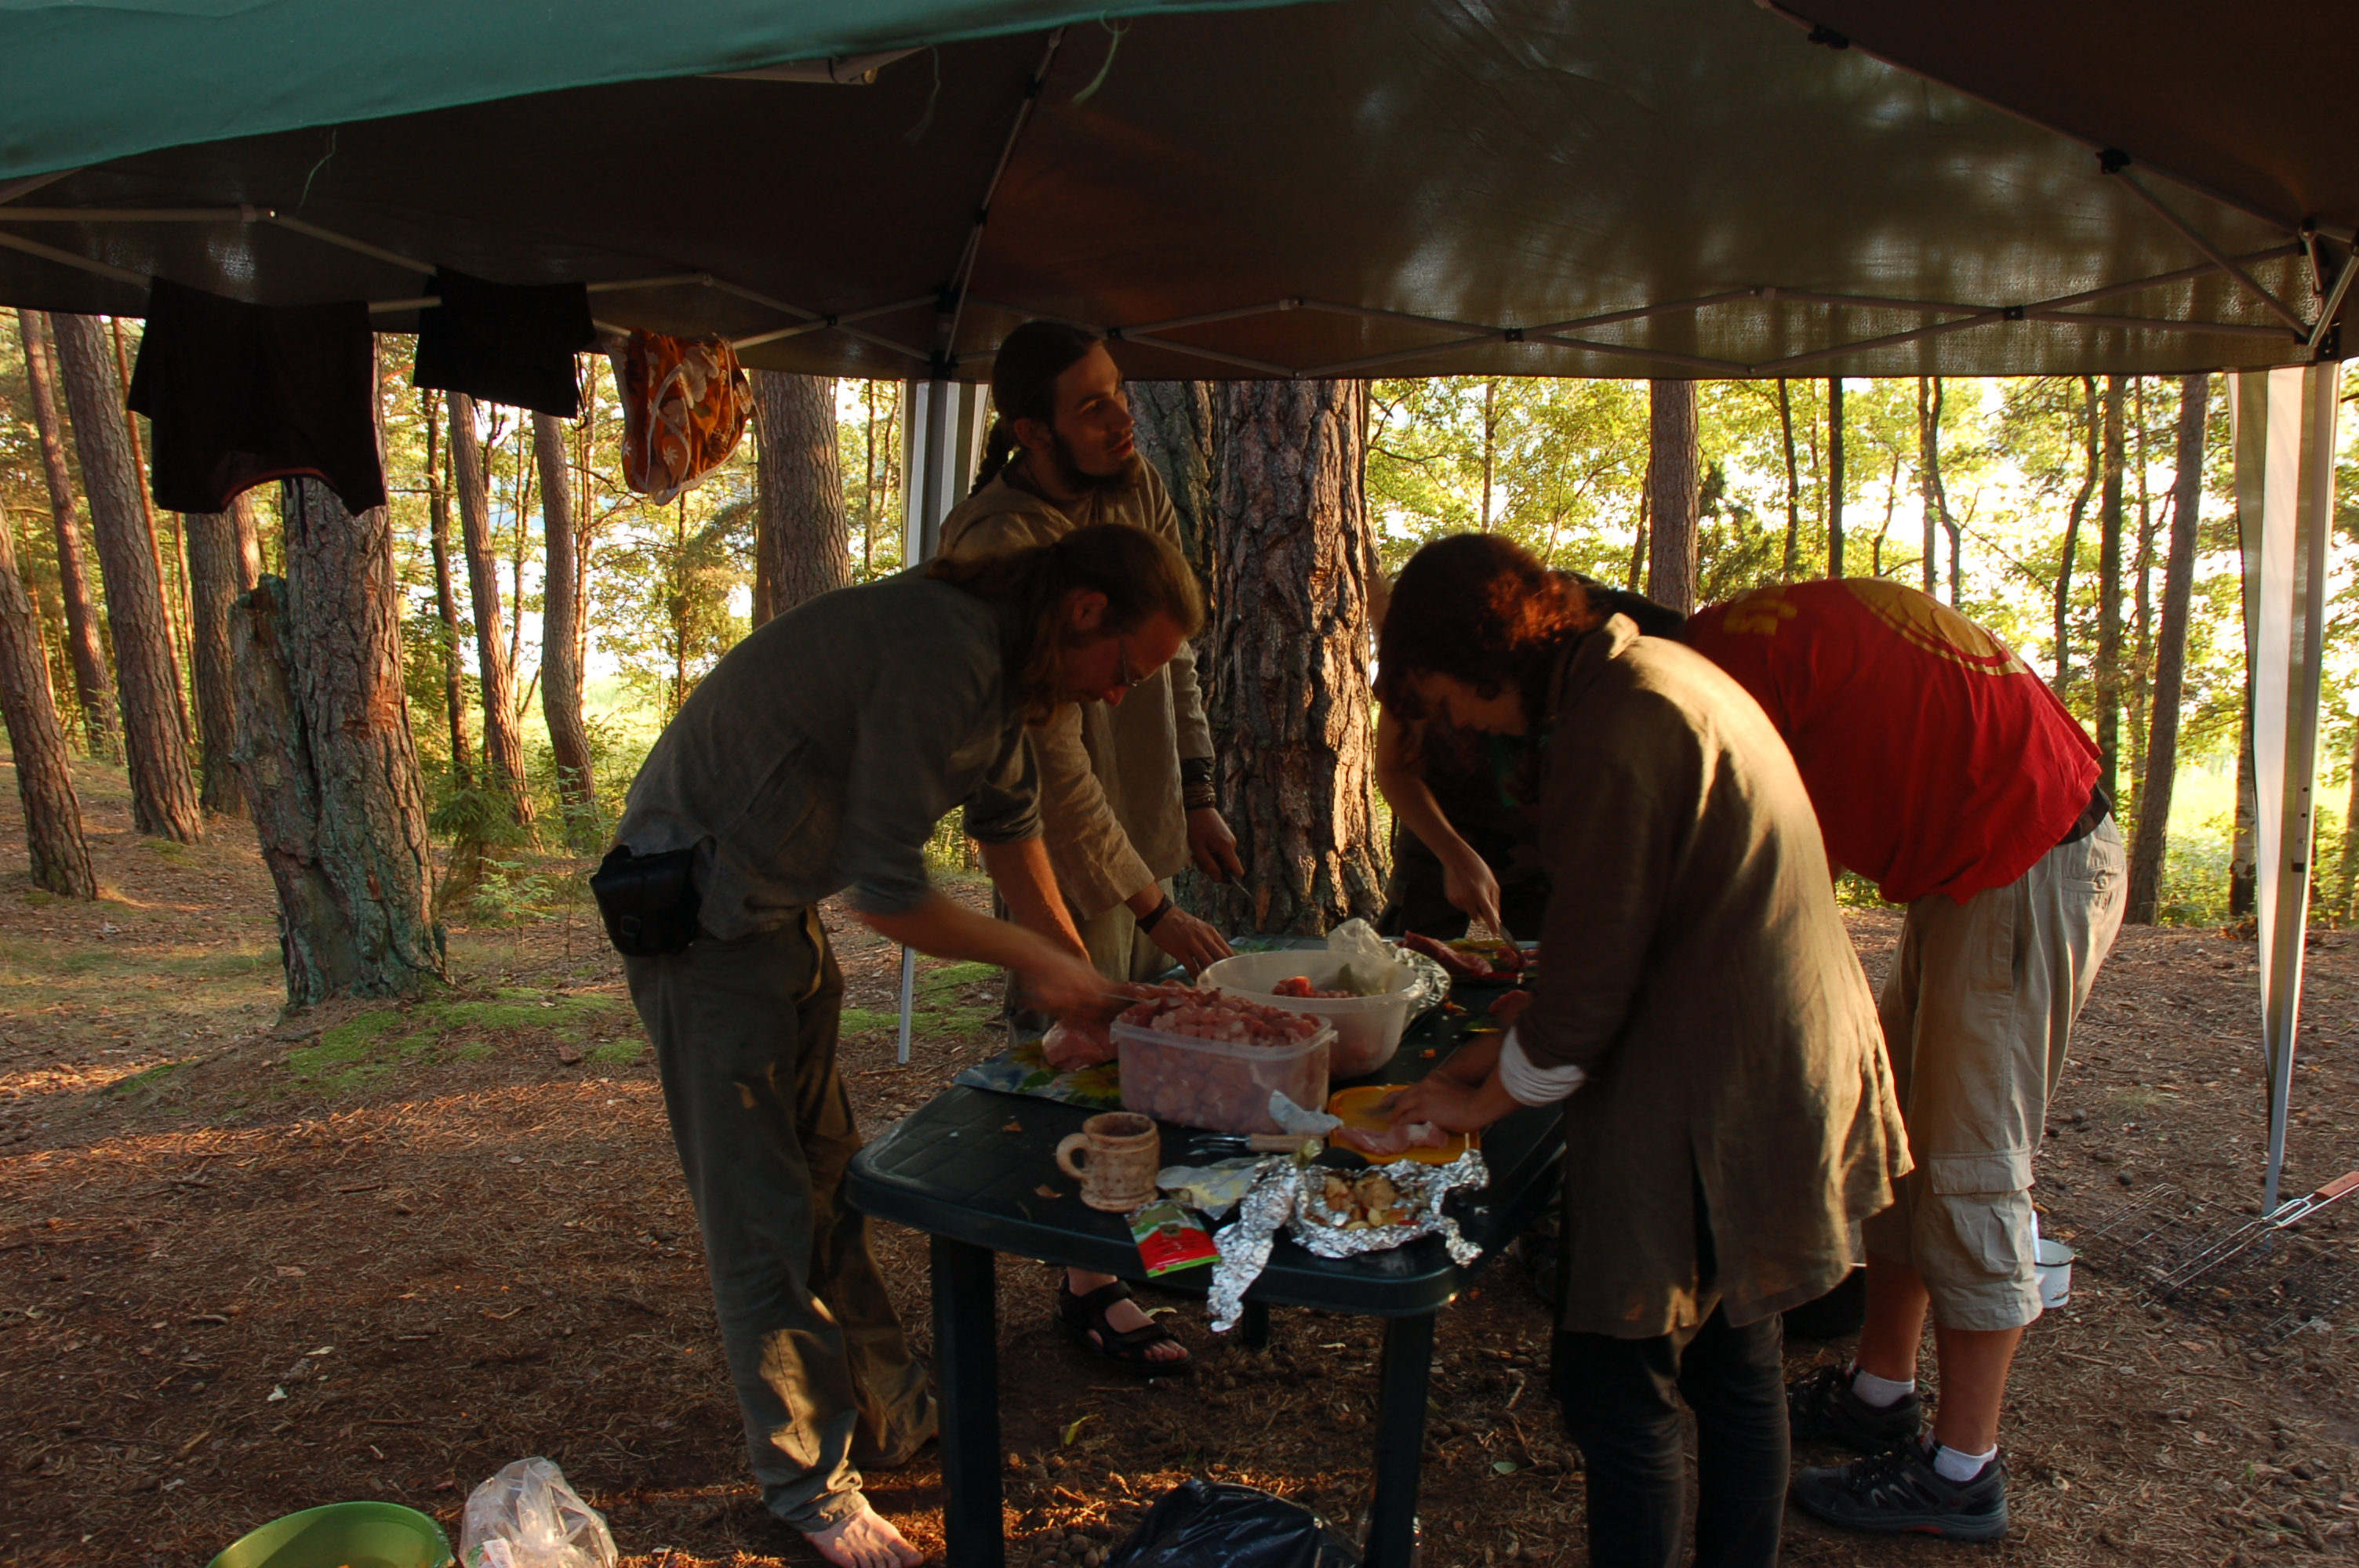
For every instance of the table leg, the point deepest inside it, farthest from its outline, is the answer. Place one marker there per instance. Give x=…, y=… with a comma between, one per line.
x=966, y=1371
x=1253, y=1329
x=1401, y=1378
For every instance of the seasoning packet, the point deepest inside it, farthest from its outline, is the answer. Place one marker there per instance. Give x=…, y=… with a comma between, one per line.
x=1170, y=1239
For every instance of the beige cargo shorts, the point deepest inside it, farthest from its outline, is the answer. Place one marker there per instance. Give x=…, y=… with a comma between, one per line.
x=1977, y=1017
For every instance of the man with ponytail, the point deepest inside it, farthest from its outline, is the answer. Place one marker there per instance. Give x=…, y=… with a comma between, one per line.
x=818, y=756
x=1126, y=796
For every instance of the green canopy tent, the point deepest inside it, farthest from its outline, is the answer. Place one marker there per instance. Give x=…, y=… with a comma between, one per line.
x=1694, y=188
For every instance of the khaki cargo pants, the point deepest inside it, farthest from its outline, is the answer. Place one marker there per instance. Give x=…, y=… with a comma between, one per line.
x=745, y=1034
x=1977, y=1017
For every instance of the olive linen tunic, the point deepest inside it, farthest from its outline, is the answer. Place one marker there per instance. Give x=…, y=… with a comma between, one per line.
x=1697, y=968
x=1110, y=795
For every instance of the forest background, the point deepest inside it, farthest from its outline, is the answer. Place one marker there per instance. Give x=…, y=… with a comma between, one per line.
x=2005, y=498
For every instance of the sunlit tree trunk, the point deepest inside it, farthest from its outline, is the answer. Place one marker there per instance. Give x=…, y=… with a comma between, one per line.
x=330, y=764
x=93, y=691
x=1286, y=669
x=446, y=599
x=2138, y=673
x=163, y=786
x=2090, y=420
x=503, y=747
x=2146, y=850
x=802, y=542
x=2244, y=873
x=1674, y=494
x=2109, y=597
x=224, y=561
x=560, y=673
x=37, y=744
x=1834, y=477
x=1793, y=482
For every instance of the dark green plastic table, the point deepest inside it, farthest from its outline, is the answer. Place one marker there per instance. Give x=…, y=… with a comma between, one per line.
x=952, y=1170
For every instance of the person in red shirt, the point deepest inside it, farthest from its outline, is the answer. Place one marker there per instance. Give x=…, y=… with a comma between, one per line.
x=1943, y=768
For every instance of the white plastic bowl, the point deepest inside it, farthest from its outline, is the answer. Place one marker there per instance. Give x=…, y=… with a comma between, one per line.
x=1367, y=1029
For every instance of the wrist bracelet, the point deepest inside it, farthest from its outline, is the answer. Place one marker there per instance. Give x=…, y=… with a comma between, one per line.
x=1147, y=923
x=1197, y=797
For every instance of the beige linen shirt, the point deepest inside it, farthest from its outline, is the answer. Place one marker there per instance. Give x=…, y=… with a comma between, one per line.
x=1111, y=807
x=1698, y=970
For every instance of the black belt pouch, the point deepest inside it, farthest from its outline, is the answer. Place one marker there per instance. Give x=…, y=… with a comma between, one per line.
x=649, y=902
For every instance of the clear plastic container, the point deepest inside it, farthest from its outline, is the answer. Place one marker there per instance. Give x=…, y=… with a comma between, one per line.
x=1214, y=1084
x=1367, y=1028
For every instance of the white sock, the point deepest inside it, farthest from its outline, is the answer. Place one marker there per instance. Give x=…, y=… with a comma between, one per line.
x=1953, y=1465
x=1882, y=1393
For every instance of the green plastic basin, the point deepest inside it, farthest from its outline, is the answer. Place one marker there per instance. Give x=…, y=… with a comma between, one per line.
x=342, y=1535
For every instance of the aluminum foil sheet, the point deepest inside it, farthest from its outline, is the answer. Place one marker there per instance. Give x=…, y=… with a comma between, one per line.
x=1287, y=1195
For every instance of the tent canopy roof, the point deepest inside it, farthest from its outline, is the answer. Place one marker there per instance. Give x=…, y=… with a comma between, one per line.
x=1409, y=187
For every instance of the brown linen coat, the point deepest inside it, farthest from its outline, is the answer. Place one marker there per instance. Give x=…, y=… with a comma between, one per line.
x=1698, y=969
x=1109, y=801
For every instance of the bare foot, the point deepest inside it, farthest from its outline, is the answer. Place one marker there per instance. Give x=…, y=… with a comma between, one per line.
x=864, y=1540
x=1124, y=1315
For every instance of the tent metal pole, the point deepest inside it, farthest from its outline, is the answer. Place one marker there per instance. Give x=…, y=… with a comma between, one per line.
x=2157, y=324
x=392, y=258
x=13, y=188
x=2284, y=422
x=2220, y=258
x=1641, y=312
x=1634, y=351
x=68, y=258
x=1203, y=318
x=1775, y=367
x=962, y=275
x=1370, y=361
x=2332, y=304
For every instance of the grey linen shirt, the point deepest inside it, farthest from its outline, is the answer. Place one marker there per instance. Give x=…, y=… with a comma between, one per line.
x=822, y=751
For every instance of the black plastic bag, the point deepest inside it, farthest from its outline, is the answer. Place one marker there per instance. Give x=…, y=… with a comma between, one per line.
x=1216, y=1524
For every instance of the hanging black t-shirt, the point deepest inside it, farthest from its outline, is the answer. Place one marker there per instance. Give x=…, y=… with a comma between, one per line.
x=511, y=343
x=241, y=395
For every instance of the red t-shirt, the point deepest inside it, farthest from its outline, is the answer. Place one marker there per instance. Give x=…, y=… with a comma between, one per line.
x=1938, y=761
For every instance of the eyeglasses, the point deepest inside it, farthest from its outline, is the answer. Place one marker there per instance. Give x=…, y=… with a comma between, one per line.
x=1122, y=652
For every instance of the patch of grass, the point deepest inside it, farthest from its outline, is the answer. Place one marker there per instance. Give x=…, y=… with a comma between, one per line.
x=176, y=854
x=39, y=896
x=861, y=1020
x=368, y=1045
x=616, y=1052
x=2135, y=1100
x=145, y=1087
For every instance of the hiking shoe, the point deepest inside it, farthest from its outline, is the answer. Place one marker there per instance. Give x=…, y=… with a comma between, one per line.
x=1822, y=1409
x=1898, y=1492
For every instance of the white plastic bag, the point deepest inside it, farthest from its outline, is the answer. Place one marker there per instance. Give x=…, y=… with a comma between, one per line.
x=526, y=1517
x=1374, y=959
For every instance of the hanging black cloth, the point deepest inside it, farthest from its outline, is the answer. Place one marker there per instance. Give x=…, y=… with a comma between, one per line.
x=241, y=395
x=511, y=343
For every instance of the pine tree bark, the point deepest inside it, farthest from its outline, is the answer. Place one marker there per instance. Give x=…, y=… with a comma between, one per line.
x=2091, y=423
x=1793, y=482
x=1674, y=494
x=2109, y=597
x=163, y=786
x=503, y=747
x=94, y=692
x=1834, y=477
x=560, y=670
x=331, y=769
x=446, y=601
x=802, y=541
x=2169, y=657
x=37, y=744
x=2243, y=872
x=224, y=561
x=1174, y=420
x=1286, y=664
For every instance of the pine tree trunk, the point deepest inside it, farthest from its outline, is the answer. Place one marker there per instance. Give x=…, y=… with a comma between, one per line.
x=1174, y=421
x=1287, y=666
x=802, y=542
x=2070, y=557
x=163, y=788
x=1834, y=477
x=2244, y=873
x=328, y=758
x=2137, y=678
x=2109, y=598
x=503, y=747
x=446, y=601
x=1793, y=483
x=36, y=744
x=560, y=673
x=224, y=561
x=94, y=692
x=1674, y=494
x=2169, y=657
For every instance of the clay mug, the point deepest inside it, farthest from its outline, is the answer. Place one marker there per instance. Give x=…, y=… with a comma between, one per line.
x=1124, y=1155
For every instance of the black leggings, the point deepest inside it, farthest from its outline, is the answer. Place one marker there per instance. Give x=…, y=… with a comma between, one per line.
x=1621, y=1404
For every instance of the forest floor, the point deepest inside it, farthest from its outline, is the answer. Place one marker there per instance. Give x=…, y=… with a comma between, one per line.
x=255, y=1262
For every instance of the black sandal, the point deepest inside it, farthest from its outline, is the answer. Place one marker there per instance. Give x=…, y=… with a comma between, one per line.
x=1081, y=1316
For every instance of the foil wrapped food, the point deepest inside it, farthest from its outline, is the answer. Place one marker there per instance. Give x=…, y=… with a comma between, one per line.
x=1290, y=1196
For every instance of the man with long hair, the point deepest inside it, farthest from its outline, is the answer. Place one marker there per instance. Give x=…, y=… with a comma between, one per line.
x=818, y=755
x=1702, y=1019
x=1127, y=793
